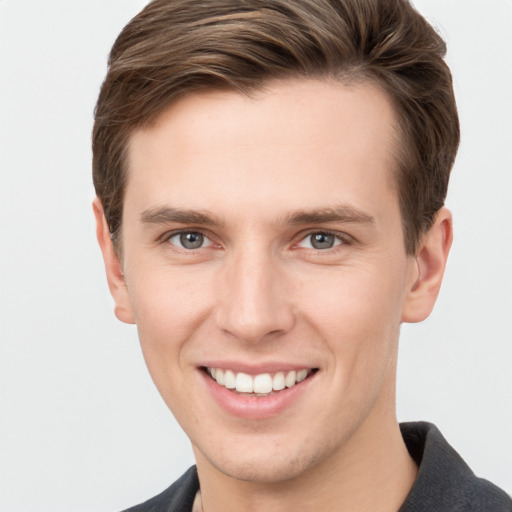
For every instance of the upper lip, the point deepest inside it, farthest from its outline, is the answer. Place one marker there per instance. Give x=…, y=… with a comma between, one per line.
x=256, y=369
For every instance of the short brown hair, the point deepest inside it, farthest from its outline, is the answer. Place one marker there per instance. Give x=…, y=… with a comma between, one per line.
x=174, y=47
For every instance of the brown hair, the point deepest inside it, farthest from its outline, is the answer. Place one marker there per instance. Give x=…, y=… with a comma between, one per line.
x=174, y=47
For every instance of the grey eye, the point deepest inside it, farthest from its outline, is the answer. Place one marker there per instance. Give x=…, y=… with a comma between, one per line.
x=189, y=240
x=322, y=240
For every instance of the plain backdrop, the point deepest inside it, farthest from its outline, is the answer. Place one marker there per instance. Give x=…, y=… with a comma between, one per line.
x=82, y=427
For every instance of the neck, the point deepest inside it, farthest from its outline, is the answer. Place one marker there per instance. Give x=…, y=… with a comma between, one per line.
x=373, y=471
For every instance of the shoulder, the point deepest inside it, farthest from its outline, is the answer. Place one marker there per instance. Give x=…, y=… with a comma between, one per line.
x=179, y=497
x=444, y=481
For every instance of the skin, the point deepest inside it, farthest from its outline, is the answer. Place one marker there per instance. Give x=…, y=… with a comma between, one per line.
x=258, y=291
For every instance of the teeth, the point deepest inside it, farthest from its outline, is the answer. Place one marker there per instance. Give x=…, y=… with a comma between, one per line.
x=278, y=381
x=261, y=384
x=301, y=375
x=244, y=383
x=290, y=379
x=229, y=379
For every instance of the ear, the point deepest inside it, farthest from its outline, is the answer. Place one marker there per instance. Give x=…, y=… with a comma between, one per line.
x=430, y=260
x=113, y=267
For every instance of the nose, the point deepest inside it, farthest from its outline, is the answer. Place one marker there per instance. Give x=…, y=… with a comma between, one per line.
x=255, y=298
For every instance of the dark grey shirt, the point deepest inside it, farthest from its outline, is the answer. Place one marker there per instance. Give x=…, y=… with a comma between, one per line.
x=444, y=483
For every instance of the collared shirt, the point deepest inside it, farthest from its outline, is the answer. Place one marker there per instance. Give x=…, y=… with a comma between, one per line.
x=444, y=482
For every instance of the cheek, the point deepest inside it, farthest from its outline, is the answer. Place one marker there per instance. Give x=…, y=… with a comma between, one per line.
x=357, y=313
x=169, y=306
x=353, y=298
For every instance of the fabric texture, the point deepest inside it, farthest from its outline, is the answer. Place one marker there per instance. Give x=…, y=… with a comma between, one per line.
x=444, y=483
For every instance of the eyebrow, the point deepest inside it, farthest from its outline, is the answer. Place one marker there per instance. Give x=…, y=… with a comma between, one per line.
x=167, y=214
x=342, y=213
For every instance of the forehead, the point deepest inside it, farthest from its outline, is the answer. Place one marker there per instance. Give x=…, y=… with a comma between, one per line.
x=293, y=142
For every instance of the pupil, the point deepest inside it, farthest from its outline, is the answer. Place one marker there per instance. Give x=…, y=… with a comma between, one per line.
x=322, y=241
x=191, y=240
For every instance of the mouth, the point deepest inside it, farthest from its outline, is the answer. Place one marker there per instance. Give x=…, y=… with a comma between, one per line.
x=260, y=385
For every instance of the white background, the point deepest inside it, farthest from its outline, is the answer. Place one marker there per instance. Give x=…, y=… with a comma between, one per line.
x=81, y=427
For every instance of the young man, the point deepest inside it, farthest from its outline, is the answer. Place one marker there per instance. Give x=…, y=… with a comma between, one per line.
x=271, y=178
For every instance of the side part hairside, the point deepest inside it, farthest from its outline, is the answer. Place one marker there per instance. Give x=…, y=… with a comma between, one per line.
x=176, y=47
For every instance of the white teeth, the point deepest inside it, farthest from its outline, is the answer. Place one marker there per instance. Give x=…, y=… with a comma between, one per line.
x=301, y=375
x=278, y=381
x=290, y=379
x=244, y=383
x=261, y=384
x=229, y=379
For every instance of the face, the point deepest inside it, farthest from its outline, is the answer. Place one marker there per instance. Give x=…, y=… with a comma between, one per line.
x=262, y=243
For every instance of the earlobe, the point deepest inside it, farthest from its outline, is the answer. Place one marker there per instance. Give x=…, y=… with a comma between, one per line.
x=430, y=260
x=113, y=267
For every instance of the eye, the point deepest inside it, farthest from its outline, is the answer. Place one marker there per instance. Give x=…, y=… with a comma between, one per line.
x=321, y=240
x=189, y=240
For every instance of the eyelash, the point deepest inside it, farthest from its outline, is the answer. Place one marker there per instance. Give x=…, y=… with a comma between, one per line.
x=167, y=238
x=342, y=239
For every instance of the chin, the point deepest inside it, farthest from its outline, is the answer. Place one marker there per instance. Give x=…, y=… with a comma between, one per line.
x=273, y=472
x=266, y=465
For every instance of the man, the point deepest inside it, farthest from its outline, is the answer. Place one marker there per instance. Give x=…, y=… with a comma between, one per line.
x=271, y=179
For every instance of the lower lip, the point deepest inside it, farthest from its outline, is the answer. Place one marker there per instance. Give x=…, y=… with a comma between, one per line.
x=255, y=407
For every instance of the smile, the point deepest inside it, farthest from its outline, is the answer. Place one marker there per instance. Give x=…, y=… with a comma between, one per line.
x=263, y=384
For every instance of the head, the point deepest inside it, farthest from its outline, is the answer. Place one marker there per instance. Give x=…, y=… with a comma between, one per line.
x=270, y=182
x=174, y=48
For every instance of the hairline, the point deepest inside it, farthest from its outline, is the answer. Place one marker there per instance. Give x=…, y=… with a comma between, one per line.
x=349, y=78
